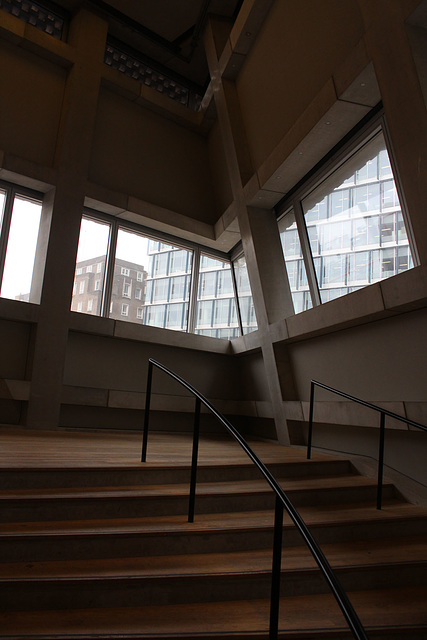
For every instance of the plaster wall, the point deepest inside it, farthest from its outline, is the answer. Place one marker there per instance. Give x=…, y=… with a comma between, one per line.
x=30, y=108
x=285, y=70
x=140, y=153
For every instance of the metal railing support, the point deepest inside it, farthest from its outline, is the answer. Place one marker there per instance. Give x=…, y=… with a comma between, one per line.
x=147, y=412
x=276, y=570
x=310, y=421
x=193, y=479
x=381, y=461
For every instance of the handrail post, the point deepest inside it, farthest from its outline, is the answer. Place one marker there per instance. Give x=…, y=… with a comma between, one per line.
x=310, y=421
x=276, y=570
x=381, y=461
x=147, y=412
x=196, y=431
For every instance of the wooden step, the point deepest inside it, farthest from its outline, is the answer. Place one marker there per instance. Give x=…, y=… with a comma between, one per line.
x=379, y=610
x=197, y=578
x=165, y=499
x=137, y=473
x=162, y=535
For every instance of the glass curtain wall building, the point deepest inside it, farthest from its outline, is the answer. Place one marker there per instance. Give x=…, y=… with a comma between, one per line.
x=353, y=227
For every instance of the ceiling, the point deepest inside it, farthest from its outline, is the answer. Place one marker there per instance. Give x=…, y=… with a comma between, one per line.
x=168, y=32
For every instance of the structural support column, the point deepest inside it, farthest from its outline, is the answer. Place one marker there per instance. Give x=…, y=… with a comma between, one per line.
x=64, y=209
x=258, y=228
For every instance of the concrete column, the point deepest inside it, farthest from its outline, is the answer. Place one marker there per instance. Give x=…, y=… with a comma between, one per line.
x=63, y=210
x=404, y=106
x=258, y=228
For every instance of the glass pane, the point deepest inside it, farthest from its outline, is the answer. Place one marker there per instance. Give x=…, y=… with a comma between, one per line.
x=21, y=249
x=216, y=306
x=90, y=267
x=358, y=214
x=244, y=296
x=163, y=286
x=295, y=266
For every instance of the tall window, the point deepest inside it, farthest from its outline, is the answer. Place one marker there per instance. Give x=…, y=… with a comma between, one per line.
x=216, y=313
x=93, y=246
x=20, y=223
x=354, y=226
x=244, y=295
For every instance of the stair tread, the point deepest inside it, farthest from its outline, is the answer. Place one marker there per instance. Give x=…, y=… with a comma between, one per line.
x=182, y=489
x=379, y=608
x=314, y=514
x=360, y=553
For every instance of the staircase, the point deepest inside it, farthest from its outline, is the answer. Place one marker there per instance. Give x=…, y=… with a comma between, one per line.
x=107, y=552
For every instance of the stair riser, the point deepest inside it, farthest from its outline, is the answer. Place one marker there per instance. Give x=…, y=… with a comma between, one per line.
x=147, y=475
x=26, y=595
x=62, y=547
x=56, y=509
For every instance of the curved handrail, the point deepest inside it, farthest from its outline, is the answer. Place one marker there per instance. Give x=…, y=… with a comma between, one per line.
x=281, y=499
x=380, y=410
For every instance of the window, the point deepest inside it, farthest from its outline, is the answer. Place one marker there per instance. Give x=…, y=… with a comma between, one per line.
x=89, y=269
x=215, y=282
x=244, y=296
x=93, y=246
x=20, y=224
x=355, y=229
x=80, y=307
x=82, y=286
x=155, y=278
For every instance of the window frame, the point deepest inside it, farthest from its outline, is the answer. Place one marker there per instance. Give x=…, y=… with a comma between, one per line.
x=106, y=284
x=326, y=168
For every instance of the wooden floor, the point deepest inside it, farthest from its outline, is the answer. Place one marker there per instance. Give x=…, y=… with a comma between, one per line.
x=24, y=448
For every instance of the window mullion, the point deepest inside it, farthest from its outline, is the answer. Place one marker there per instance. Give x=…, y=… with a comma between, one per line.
x=237, y=301
x=109, y=270
x=192, y=306
x=306, y=253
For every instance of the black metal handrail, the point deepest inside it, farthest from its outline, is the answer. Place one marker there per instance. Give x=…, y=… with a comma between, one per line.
x=383, y=412
x=282, y=501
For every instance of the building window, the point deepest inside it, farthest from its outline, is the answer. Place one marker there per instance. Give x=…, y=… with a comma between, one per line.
x=156, y=278
x=90, y=305
x=354, y=225
x=89, y=268
x=80, y=307
x=82, y=286
x=93, y=248
x=20, y=222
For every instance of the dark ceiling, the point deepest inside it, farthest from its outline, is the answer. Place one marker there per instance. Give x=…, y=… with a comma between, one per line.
x=167, y=32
